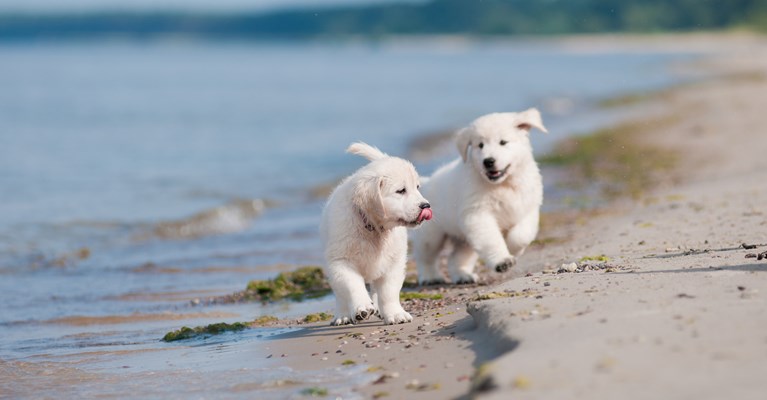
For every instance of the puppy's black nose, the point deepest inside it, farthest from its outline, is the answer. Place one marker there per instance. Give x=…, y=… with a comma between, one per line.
x=489, y=162
x=424, y=205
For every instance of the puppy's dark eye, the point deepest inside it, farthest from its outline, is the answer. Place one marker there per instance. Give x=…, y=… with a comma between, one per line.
x=481, y=145
x=418, y=187
x=503, y=142
x=402, y=191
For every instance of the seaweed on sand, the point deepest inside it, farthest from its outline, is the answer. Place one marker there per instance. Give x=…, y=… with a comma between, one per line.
x=205, y=331
x=615, y=158
x=303, y=283
x=322, y=316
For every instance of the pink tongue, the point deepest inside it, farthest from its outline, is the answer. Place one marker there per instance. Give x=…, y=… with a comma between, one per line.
x=425, y=215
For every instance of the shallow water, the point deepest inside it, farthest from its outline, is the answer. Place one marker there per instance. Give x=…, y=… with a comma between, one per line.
x=138, y=179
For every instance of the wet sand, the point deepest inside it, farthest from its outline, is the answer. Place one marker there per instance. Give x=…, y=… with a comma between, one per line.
x=676, y=311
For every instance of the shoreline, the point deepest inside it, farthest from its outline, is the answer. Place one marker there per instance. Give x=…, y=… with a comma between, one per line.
x=604, y=334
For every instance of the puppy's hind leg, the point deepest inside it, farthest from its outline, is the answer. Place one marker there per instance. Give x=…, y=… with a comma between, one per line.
x=387, y=289
x=353, y=303
x=461, y=263
x=426, y=249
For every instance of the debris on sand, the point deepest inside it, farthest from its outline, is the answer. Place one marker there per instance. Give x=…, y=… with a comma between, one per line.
x=571, y=267
x=586, y=264
x=421, y=387
x=505, y=294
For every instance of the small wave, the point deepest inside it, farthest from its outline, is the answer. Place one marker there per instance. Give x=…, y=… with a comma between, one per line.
x=80, y=320
x=232, y=217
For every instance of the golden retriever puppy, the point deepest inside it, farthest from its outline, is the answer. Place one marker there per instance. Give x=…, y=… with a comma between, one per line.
x=488, y=199
x=363, y=231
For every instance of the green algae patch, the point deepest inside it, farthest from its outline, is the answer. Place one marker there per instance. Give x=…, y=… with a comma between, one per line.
x=503, y=295
x=614, y=160
x=349, y=362
x=632, y=99
x=205, y=331
x=315, y=392
x=627, y=100
x=601, y=258
x=264, y=320
x=318, y=317
x=521, y=382
x=546, y=241
x=303, y=283
x=405, y=296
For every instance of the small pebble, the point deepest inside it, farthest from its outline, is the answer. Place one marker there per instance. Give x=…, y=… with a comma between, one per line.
x=571, y=267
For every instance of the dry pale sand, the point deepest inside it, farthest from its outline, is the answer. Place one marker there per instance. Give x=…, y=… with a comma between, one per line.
x=670, y=321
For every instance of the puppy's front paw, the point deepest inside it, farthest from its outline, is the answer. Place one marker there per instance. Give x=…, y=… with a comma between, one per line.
x=465, y=278
x=362, y=313
x=504, y=265
x=397, y=317
x=337, y=321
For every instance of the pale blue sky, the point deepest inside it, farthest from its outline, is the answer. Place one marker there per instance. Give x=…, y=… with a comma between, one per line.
x=185, y=5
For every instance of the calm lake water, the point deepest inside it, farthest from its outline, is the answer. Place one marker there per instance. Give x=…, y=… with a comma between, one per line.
x=137, y=178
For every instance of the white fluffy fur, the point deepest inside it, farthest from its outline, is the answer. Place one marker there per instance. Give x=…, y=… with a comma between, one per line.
x=494, y=220
x=363, y=231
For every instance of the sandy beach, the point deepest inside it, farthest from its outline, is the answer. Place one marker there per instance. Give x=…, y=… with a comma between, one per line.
x=663, y=299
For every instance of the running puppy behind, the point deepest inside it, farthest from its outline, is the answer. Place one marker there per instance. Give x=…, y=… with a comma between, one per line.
x=488, y=199
x=363, y=231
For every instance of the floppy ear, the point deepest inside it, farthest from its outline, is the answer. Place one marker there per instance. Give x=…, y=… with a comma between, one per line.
x=530, y=118
x=367, y=196
x=463, y=141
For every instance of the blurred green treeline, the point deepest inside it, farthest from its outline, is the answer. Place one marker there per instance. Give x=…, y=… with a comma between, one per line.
x=465, y=17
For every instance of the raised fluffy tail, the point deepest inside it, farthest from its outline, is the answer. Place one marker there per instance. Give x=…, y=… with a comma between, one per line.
x=366, y=150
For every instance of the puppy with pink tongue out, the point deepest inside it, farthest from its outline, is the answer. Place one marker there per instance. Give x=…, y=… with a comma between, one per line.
x=363, y=231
